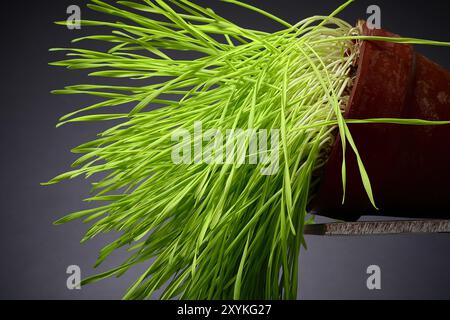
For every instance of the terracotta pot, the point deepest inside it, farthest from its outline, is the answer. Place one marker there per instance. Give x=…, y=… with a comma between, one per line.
x=409, y=166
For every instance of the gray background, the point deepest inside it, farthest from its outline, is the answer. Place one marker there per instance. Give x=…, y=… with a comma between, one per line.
x=35, y=254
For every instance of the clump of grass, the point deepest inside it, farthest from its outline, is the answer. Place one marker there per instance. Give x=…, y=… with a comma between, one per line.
x=217, y=231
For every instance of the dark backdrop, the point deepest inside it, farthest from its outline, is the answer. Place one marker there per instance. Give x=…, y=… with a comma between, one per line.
x=34, y=254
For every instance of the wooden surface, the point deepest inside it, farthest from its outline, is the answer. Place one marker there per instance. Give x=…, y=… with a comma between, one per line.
x=378, y=228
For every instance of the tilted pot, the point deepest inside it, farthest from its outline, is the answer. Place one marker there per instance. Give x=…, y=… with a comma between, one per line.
x=409, y=166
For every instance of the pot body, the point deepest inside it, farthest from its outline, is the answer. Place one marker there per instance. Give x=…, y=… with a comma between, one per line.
x=409, y=166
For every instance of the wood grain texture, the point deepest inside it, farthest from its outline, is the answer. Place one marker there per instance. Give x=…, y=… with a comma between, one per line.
x=378, y=228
